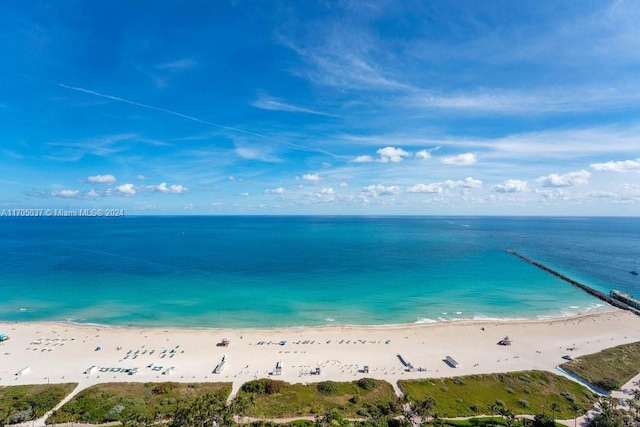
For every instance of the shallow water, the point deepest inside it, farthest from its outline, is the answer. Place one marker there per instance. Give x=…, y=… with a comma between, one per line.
x=286, y=271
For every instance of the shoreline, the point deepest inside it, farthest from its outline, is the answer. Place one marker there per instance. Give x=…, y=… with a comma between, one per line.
x=588, y=311
x=59, y=352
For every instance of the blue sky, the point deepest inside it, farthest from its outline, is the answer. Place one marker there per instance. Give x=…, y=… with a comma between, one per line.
x=332, y=107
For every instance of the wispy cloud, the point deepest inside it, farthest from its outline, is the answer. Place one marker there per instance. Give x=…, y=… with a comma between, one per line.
x=257, y=153
x=179, y=65
x=272, y=104
x=465, y=159
x=101, y=146
x=162, y=110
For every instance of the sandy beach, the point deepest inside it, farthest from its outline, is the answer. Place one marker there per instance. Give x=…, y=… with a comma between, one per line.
x=63, y=352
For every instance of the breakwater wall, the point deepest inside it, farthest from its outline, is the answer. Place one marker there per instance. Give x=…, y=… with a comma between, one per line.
x=588, y=289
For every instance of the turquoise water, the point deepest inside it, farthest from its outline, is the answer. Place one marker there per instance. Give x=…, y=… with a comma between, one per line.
x=292, y=271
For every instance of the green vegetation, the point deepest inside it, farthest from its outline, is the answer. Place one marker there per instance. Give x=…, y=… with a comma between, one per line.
x=609, y=369
x=475, y=422
x=365, y=398
x=29, y=402
x=611, y=415
x=140, y=402
x=529, y=392
x=332, y=404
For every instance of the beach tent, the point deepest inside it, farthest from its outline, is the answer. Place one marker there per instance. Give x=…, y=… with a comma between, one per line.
x=3, y=337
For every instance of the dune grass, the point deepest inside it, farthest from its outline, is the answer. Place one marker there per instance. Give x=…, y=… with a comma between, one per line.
x=29, y=402
x=528, y=392
x=144, y=402
x=609, y=369
x=357, y=399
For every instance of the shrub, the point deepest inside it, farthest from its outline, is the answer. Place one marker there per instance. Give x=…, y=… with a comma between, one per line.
x=510, y=390
x=21, y=416
x=500, y=403
x=523, y=403
x=368, y=383
x=458, y=381
x=162, y=388
x=607, y=384
x=328, y=387
x=263, y=386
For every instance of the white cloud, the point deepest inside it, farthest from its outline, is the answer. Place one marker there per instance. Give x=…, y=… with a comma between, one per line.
x=465, y=159
x=620, y=166
x=343, y=184
x=278, y=190
x=511, y=186
x=93, y=193
x=386, y=155
x=381, y=190
x=555, y=194
x=392, y=154
x=469, y=182
x=567, y=180
x=66, y=193
x=102, y=179
x=423, y=154
x=312, y=177
x=141, y=177
x=426, y=188
x=327, y=191
x=363, y=159
x=126, y=189
x=172, y=189
x=439, y=187
x=245, y=194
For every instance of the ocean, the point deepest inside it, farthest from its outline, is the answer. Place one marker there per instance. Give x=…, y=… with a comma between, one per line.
x=243, y=271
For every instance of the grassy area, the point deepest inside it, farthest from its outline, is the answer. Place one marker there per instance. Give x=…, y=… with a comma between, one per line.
x=475, y=422
x=609, y=369
x=29, y=402
x=363, y=398
x=143, y=402
x=528, y=392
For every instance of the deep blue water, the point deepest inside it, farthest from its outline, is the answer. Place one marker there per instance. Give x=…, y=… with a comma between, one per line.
x=286, y=271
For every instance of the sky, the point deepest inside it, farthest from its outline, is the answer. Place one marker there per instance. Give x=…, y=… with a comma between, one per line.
x=321, y=107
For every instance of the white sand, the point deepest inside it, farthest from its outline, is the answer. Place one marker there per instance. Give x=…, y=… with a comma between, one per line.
x=61, y=352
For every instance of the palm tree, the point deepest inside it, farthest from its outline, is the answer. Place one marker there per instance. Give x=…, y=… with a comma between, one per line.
x=240, y=405
x=437, y=421
x=424, y=407
x=576, y=408
x=509, y=416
